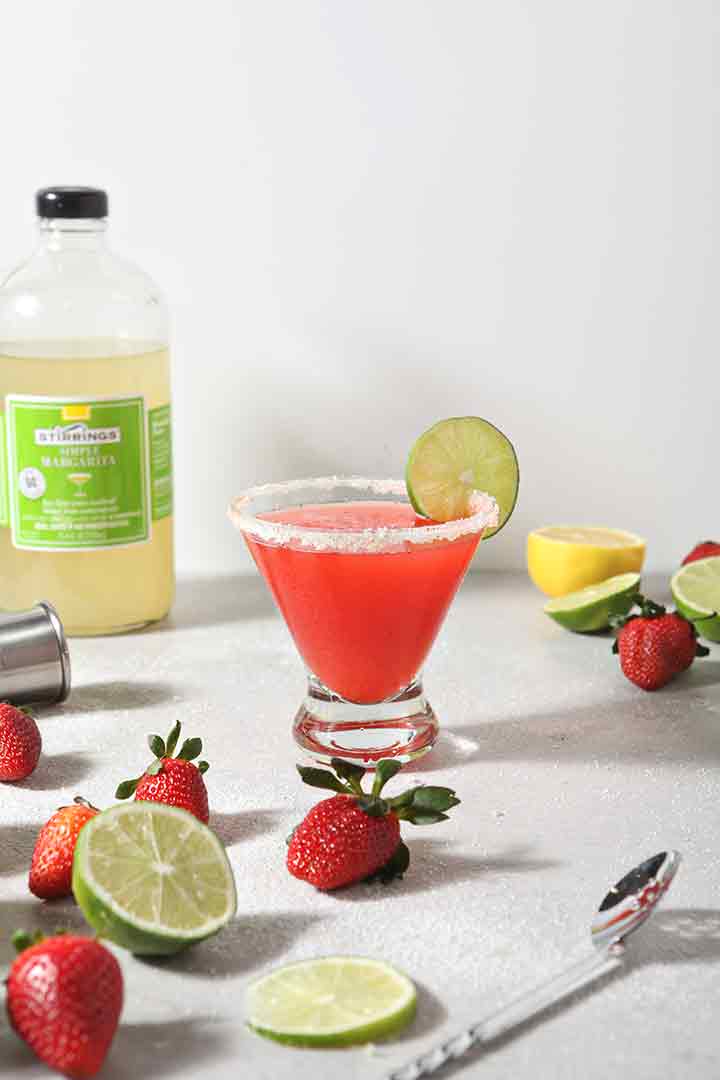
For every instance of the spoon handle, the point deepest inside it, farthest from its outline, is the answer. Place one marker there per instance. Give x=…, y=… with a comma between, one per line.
x=511, y=1015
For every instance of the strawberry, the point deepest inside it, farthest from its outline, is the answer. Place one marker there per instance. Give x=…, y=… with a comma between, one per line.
x=64, y=998
x=704, y=550
x=20, y=742
x=354, y=835
x=172, y=780
x=656, y=645
x=51, y=867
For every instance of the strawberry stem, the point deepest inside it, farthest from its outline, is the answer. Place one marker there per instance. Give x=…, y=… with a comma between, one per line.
x=80, y=801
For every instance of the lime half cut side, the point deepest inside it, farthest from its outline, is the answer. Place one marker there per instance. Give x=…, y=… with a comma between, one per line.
x=331, y=1001
x=456, y=457
x=696, y=592
x=590, y=609
x=152, y=878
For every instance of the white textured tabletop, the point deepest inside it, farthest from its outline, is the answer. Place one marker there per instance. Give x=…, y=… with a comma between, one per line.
x=569, y=776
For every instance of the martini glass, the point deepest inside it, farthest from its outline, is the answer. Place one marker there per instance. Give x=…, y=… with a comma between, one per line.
x=79, y=480
x=364, y=586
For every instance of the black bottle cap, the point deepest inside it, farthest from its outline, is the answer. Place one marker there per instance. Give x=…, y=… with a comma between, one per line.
x=71, y=202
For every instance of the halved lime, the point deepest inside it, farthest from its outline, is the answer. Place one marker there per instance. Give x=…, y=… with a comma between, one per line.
x=696, y=592
x=152, y=878
x=332, y=1001
x=456, y=457
x=590, y=608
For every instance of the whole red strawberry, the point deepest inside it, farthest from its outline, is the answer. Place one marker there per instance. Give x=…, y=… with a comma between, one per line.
x=64, y=998
x=354, y=835
x=172, y=780
x=20, y=742
x=52, y=861
x=705, y=550
x=655, y=645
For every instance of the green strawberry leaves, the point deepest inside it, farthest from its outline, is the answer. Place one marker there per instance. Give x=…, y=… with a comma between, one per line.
x=321, y=778
x=418, y=805
x=384, y=771
x=22, y=940
x=172, y=741
x=162, y=749
x=126, y=789
x=191, y=749
x=395, y=867
x=157, y=746
x=353, y=774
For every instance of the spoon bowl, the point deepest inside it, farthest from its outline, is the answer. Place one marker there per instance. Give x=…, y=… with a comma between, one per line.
x=633, y=899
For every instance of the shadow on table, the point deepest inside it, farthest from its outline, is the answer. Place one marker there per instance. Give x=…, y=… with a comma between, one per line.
x=55, y=771
x=162, y=1048
x=434, y=865
x=33, y=914
x=673, y=936
x=17, y=843
x=671, y=725
x=431, y=1013
x=239, y=825
x=212, y=601
x=245, y=944
x=118, y=694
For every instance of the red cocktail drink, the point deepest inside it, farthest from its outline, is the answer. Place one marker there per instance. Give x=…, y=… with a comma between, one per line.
x=364, y=586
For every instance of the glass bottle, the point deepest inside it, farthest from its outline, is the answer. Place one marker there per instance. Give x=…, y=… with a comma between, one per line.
x=86, y=496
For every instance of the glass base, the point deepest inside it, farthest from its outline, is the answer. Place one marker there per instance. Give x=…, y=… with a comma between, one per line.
x=326, y=726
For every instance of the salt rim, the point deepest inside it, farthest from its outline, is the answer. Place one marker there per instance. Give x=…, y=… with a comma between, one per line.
x=485, y=514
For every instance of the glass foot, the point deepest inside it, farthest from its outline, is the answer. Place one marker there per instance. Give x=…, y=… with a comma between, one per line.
x=326, y=726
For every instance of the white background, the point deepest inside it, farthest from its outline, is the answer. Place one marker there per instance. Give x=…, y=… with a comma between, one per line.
x=369, y=215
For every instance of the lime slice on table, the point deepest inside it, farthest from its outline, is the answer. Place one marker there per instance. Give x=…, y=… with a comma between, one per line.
x=152, y=878
x=456, y=457
x=332, y=1001
x=696, y=592
x=590, y=608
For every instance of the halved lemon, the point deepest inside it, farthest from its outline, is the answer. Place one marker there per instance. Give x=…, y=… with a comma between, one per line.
x=564, y=558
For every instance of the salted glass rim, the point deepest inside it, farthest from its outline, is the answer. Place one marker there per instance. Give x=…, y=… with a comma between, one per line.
x=485, y=514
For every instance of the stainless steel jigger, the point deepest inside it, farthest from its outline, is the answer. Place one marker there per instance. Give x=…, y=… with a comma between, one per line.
x=34, y=656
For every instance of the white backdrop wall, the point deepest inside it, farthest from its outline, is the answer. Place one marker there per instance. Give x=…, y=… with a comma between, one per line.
x=369, y=215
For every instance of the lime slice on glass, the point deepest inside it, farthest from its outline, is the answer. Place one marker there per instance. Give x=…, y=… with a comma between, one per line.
x=332, y=1001
x=590, y=608
x=696, y=592
x=152, y=878
x=456, y=457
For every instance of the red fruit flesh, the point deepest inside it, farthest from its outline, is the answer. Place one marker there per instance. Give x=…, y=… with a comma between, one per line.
x=64, y=998
x=179, y=783
x=20, y=743
x=338, y=843
x=51, y=867
x=705, y=550
x=654, y=650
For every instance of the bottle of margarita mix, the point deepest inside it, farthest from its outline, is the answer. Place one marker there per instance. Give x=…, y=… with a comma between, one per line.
x=86, y=496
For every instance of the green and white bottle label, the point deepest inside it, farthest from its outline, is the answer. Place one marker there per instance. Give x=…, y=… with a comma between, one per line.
x=85, y=474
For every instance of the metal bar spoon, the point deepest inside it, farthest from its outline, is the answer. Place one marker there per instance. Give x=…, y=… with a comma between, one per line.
x=627, y=905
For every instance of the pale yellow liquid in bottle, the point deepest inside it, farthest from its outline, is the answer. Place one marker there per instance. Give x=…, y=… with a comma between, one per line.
x=95, y=591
